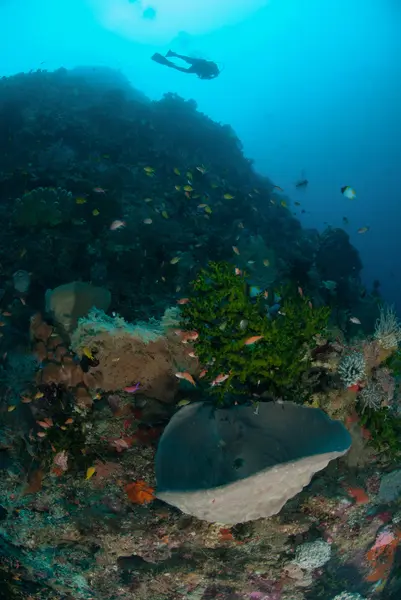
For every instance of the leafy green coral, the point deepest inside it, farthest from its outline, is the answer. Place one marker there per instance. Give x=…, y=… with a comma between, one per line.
x=385, y=430
x=225, y=317
x=43, y=207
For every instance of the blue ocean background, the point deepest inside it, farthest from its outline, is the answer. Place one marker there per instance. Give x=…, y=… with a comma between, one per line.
x=312, y=89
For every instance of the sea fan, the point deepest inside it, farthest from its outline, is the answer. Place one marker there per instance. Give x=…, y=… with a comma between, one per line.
x=388, y=328
x=371, y=396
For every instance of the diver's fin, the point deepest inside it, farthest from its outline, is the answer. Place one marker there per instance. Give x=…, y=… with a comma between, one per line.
x=161, y=59
x=170, y=53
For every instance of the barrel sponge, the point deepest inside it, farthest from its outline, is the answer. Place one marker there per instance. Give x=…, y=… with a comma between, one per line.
x=237, y=464
x=69, y=302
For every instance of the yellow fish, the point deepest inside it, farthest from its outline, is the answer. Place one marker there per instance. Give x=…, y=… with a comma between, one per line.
x=177, y=171
x=149, y=170
x=95, y=212
x=189, y=175
x=228, y=197
x=175, y=260
x=283, y=203
x=38, y=395
x=148, y=200
x=202, y=205
x=214, y=185
x=87, y=352
x=89, y=472
x=266, y=262
x=11, y=408
x=80, y=200
x=178, y=188
x=183, y=402
x=208, y=210
x=188, y=188
x=165, y=214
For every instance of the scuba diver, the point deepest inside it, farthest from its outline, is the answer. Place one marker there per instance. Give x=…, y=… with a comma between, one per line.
x=204, y=69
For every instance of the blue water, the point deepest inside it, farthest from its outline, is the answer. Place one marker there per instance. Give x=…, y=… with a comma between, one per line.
x=311, y=87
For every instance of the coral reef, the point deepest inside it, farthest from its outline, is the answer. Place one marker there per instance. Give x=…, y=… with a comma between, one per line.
x=140, y=198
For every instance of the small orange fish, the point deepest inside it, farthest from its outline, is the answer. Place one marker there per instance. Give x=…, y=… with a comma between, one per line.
x=183, y=301
x=187, y=376
x=187, y=336
x=237, y=271
x=69, y=421
x=219, y=379
x=46, y=423
x=300, y=292
x=253, y=339
x=202, y=373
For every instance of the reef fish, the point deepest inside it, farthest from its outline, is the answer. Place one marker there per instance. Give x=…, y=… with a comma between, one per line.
x=131, y=389
x=117, y=224
x=187, y=376
x=348, y=192
x=253, y=339
x=219, y=379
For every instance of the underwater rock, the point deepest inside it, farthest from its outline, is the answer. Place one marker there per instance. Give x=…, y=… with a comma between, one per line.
x=233, y=465
x=21, y=281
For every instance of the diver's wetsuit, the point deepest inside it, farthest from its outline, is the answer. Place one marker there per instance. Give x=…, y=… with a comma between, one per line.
x=204, y=69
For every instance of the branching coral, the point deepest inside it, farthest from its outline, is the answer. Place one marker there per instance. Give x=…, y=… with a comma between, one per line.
x=388, y=328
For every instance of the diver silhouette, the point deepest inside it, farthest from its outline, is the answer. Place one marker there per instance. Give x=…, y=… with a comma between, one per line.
x=204, y=69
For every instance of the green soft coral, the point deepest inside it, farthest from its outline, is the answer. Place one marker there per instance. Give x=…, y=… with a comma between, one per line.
x=224, y=315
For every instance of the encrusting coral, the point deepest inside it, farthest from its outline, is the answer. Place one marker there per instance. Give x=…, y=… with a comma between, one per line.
x=58, y=364
x=127, y=354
